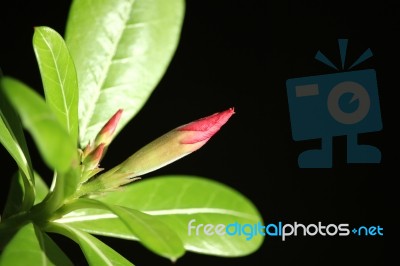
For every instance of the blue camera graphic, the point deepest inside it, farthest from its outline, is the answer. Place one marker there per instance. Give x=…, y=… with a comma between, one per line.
x=343, y=103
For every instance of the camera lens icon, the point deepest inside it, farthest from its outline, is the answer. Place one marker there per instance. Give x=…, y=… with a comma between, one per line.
x=337, y=104
x=359, y=94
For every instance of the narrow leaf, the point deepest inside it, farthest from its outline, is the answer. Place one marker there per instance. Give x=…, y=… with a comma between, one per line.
x=121, y=50
x=96, y=252
x=41, y=189
x=176, y=200
x=12, y=138
x=31, y=246
x=59, y=78
x=52, y=140
x=15, y=196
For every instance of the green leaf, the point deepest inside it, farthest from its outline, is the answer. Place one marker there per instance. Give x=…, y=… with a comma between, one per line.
x=41, y=189
x=16, y=192
x=59, y=78
x=121, y=50
x=152, y=233
x=13, y=139
x=31, y=246
x=176, y=200
x=15, y=196
x=52, y=140
x=96, y=252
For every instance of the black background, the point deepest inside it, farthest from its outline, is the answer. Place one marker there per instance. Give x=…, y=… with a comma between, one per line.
x=240, y=54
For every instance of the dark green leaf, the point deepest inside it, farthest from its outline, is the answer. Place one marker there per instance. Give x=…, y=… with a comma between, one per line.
x=96, y=252
x=59, y=78
x=16, y=192
x=31, y=246
x=12, y=138
x=15, y=196
x=121, y=49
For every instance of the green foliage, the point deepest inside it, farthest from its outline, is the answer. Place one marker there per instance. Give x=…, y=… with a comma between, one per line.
x=37, y=247
x=59, y=78
x=121, y=49
x=95, y=251
x=114, y=55
x=219, y=205
x=12, y=138
x=40, y=121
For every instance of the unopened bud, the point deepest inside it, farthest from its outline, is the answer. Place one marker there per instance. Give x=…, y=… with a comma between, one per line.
x=173, y=145
x=106, y=134
x=92, y=160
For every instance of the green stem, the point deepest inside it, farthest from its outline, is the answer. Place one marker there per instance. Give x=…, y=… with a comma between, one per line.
x=77, y=204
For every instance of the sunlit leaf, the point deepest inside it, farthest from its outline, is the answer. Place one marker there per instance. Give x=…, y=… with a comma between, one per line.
x=59, y=78
x=153, y=233
x=31, y=246
x=52, y=140
x=176, y=200
x=121, y=49
x=96, y=252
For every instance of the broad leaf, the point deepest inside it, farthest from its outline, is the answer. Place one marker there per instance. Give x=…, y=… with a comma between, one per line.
x=121, y=50
x=59, y=78
x=52, y=140
x=96, y=252
x=31, y=246
x=152, y=233
x=12, y=138
x=176, y=200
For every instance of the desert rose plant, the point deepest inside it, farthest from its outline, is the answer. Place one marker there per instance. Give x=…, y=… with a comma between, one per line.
x=94, y=83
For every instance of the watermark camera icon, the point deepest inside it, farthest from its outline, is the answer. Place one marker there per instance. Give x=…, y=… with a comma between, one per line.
x=343, y=103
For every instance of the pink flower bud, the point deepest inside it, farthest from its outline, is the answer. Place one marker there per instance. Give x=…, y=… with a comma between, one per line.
x=92, y=159
x=171, y=146
x=203, y=129
x=86, y=151
x=106, y=134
